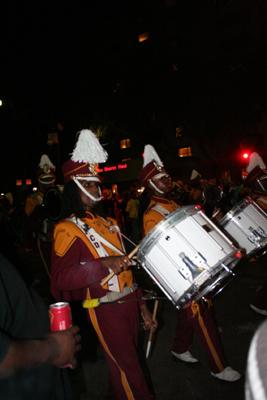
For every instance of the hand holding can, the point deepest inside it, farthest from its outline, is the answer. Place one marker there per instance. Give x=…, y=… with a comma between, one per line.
x=61, y=320
x=63, y=346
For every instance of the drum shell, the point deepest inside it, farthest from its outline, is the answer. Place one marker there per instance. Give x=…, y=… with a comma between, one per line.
x=212, y=194
x=240, y=223
x=52, y=203
x=185, y=231
x=16, y=221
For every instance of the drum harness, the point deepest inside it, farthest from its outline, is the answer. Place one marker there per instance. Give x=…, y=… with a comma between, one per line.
x=113, y=296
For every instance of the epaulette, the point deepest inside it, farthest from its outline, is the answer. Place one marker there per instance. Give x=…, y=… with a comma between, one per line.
x=33, y=195
x=149, y=208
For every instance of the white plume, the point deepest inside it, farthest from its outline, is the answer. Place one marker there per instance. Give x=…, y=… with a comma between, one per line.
x=88, y=149
x=254, y=161
x=194, y=175
x=150, y=155
x=45, y=160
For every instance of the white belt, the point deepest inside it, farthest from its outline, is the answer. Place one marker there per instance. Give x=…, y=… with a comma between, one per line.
x=113, y=296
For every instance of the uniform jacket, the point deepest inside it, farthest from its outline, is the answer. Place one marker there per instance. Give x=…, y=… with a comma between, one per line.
x=152, y=217
x=76, y=264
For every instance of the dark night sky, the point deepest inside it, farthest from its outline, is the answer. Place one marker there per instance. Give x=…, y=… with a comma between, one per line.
x=50, y=48
x=49, y=54
x=55, y=59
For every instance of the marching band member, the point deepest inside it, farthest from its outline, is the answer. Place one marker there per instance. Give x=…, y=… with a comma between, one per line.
x=38, y=230
x=256, y=179
x=87, y=246
x=197, y=316
x=256, y=170
x=195, y=196
x=33, y=219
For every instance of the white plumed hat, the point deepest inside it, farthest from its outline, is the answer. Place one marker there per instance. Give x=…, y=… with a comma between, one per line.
x=86, y=156
x=255, y=161
x=46, y=171
x=152, y=166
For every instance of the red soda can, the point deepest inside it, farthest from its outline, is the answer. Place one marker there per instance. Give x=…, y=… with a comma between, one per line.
x=60, y=318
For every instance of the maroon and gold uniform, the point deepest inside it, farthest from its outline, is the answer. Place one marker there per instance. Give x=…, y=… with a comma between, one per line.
x=32, y=223
x=152, y=217
x=77, y=273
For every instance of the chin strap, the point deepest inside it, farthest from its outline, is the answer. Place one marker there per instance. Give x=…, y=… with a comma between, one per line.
x=88, y=194
x=155, y=187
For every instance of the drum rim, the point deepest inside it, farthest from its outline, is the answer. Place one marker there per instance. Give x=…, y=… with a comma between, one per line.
x=17, y=212
x=232, y=213
x=58, y=191
x=52, y=188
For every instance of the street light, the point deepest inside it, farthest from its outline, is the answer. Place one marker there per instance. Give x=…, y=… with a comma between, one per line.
x=2, y=103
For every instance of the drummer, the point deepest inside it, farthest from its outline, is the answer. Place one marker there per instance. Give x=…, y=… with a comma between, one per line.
x=256, y=169
x=197, y=316
x=33, y=218
x=87, y=246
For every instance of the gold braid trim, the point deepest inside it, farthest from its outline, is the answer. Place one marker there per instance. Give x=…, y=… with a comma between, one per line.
x=195, y=307
x=208, y=301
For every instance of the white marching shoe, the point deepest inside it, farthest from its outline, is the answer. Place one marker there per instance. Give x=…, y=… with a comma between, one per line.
x=186, y=357
x=228, y=374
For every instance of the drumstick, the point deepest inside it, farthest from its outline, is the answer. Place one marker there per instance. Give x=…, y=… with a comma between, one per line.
x=150, y=334
x=107, y=278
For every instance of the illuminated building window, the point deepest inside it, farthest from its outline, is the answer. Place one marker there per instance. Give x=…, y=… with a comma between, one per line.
x=178, y=131
x=125, y=143
x=28, y=182
x=185, y=152
x=144, y=36
x=175, y=67
x=18, y=182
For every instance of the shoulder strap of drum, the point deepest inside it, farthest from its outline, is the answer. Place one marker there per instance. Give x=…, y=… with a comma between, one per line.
x=97, y=237
x=91, y=237
x=161, y=210
x=97, y=241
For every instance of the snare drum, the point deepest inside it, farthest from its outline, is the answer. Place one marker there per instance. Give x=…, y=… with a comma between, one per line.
x=246, y=223
x=187, y=255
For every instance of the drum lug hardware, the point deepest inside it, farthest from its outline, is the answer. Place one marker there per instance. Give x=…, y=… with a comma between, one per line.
x=261, y=232
x=227, y=269
x=258, y=235
x=185, y=272
x=193, y=268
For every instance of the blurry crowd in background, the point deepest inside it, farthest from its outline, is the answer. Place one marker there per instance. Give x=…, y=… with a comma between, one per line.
x=127, y=208
x=212, y=194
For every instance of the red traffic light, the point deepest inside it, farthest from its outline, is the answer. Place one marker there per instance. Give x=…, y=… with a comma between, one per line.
x=245, y=155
